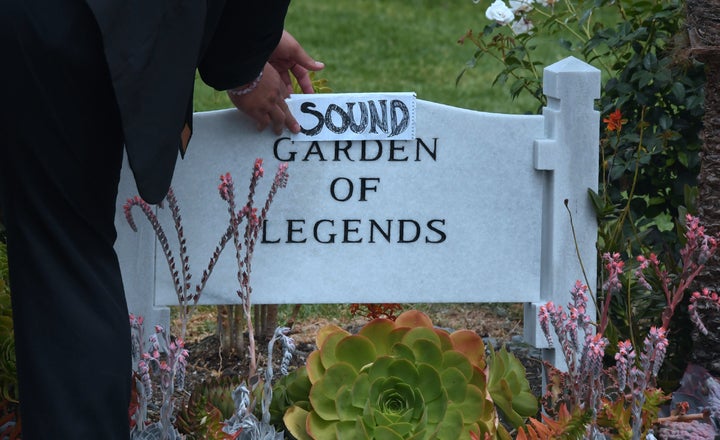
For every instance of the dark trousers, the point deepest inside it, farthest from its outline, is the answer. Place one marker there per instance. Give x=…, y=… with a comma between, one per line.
x=60, y=157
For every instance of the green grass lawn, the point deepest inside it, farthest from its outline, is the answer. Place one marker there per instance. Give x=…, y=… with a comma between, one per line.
x=398, y=46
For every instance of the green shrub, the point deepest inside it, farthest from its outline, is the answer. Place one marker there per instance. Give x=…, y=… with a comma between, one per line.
x=652, y=102
x=8, y=373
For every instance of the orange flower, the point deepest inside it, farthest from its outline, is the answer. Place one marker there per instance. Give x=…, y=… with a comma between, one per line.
x=615, y=121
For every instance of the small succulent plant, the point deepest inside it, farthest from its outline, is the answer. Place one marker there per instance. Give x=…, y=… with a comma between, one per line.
x=293, y=389
x=509, y=387
x=402, y=379
x=565, y=425
x=209, y=405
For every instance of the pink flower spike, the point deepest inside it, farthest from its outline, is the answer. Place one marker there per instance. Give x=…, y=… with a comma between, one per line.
x=625, y=347
x=258, y=169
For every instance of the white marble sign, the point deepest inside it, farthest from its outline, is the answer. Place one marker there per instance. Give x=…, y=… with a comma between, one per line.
x=431, y=219
x=475, y=207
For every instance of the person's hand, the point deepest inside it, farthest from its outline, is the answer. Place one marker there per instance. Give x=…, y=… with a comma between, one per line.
x=290, y=57
x=265, y=102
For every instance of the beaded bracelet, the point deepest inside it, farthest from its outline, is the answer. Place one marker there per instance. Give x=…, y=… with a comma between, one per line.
x=245, y=89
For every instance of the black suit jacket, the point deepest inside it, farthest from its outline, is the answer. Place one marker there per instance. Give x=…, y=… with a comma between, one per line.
x=153, y=48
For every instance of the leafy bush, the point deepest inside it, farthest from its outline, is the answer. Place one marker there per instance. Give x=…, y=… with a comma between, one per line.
x=640, y=48
x=652, y=106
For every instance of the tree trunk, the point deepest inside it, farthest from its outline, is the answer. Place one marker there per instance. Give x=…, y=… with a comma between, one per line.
x=704, y=31
x=230, y=329
x=266, y=320
x=270, y=320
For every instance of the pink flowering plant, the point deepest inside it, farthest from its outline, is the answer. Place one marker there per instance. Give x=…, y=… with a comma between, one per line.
x=609, y=401
x=165, y=359
x=623, y=399
x=657, y=286
x=699, y=247
x=245, y=243
x=245, y=396
x=703, y=301
x=181, y=277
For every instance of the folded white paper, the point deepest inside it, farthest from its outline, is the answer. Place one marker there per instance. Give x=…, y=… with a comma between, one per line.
x=354, y=116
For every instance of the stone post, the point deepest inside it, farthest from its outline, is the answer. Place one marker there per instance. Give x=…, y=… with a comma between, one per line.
x=569, y=158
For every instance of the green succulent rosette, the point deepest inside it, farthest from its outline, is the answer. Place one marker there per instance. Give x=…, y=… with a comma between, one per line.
x=510, y=389
x=396, y=380
x=293, y=389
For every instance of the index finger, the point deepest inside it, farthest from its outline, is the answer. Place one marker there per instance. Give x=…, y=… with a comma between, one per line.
x=290, y=122
x=303, y=78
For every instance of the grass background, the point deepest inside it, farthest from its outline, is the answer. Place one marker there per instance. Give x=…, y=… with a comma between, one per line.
x=399, y=46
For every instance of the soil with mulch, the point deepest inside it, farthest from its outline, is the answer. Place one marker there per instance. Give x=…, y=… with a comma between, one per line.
x=497, y=324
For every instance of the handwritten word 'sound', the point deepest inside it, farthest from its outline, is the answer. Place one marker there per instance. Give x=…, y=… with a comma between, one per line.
x=389, y=118
x=352, y=116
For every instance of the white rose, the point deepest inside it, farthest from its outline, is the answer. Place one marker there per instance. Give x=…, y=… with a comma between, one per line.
x=500, y=13
x=522, y=26
x=521, y=6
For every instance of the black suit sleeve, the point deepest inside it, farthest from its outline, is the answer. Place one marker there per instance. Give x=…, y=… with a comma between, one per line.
x=244, y=38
